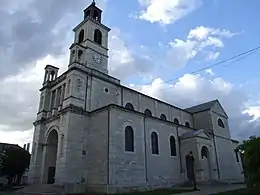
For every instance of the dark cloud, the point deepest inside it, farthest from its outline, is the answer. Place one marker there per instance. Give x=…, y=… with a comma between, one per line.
x=28, y=33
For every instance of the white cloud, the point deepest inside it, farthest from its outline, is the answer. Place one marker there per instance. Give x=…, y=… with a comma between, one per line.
x=22, y=90
x=253, y=111
x=202, y=32
x=191, y=89
x=167, y=11
x=123, y=62
x=212, y=56
x=16, y=137
x=209, y=71
x=199, y=40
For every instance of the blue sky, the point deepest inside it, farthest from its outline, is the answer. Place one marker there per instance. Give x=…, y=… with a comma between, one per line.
x=214, y=14
x=151, y=41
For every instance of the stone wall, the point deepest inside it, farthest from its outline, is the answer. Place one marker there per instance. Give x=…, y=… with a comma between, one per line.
x=162, y=168
x=141, y=167
x=96, y=160
x=126, y=168
x=203, y=120
x=229, y=168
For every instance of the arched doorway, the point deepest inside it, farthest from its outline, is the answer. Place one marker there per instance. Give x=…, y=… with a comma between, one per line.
x=190, y=167
x=206, y=165
x=51, y=156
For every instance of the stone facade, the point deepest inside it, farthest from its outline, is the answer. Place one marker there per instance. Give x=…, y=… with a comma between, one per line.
x=80, y=132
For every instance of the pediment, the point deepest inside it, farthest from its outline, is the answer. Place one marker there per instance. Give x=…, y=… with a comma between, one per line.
x=203, y=134
x=217, y=108
x=197, y=133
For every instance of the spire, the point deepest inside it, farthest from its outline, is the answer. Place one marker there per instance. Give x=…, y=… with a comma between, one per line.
x=93, y=3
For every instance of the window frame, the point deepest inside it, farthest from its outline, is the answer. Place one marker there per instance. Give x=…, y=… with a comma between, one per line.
x=148, y=112
x=155, y=143
x=187, y=124
x=98, y=37
x=221, y=123
x=129, y=106
x=174, y=121
x=163, y=117
x=129, y=148
x=173, y=153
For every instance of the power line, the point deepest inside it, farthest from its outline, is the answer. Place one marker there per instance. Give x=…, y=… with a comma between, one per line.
x=247, y=54
x=216, y=64
x=240, y=57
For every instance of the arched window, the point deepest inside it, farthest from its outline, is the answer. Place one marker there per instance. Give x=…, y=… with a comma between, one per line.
x=220, y=123
x=187, y=124
x=96, y=15
x=148, y=112
x=176, y=121
x=154, y=142
x=163, y=117
x=129, y=106
x=81, y=36
x=87, y=14
x=52, y=75
x=129, y=139
x=98, y=37
x=173, y=146
x=204, y=152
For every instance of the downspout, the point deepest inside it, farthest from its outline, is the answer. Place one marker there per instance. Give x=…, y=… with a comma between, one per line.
x=145, y=153
x=108, y=144
x=86, y=95
x=179, y=146
x=216, y=155
x=122, y=97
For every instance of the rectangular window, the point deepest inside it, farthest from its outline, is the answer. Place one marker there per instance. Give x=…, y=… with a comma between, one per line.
x=58, y=100
x=129, y=139
x=53, y=99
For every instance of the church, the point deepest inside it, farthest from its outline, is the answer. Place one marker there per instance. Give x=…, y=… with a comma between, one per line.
x=92, y=133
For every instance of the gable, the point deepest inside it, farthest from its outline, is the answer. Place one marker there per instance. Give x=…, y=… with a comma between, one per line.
x=197, y=133
x=201, y=107
x=217, y=108
x=203, y=134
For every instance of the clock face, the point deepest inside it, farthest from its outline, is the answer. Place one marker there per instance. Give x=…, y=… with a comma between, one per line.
x=97, y=58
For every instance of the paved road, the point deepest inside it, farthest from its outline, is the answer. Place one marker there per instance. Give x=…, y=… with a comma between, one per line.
x=204, y=190
x=207, y=190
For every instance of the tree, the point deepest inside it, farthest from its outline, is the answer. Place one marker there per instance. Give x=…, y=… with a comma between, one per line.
x=14, y=161
x=250, y=150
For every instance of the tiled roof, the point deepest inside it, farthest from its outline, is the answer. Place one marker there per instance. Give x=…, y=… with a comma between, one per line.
x=201, y=107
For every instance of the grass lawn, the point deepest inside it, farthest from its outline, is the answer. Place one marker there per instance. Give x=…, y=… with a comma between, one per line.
x=251, y=191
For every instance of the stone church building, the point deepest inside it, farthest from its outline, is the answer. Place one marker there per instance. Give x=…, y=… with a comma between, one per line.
x=92, y=132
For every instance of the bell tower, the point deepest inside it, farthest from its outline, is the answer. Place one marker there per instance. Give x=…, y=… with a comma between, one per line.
x=90, y=47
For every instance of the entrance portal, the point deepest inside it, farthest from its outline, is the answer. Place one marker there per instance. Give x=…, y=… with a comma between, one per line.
x=190, y=167
x=206, y=165
x=51, y=156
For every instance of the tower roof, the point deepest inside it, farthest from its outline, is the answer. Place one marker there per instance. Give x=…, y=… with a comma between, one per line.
x=92, y=11
x=93, y=5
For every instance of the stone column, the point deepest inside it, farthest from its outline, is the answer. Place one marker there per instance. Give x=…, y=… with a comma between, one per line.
x=45, y=76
